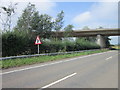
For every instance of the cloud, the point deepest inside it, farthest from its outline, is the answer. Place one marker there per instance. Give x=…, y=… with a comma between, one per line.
x=82, y=17
x=105, y=10
x=100, y=14
x=45, y=7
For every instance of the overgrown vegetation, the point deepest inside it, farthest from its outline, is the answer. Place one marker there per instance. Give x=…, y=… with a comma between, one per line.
x=41, y=59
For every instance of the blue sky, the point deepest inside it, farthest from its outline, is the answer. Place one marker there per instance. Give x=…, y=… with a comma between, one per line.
x=71, y=9
x=79, y=14
x=91, y=14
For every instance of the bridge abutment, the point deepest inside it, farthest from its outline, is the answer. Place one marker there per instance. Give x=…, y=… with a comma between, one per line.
x=101, y=41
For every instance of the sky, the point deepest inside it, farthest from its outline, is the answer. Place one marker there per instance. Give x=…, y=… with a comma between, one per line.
x=79, y=13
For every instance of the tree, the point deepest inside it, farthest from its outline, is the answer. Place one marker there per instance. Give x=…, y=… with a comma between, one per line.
x=24, y=22
x=100, y=27
x=58, y=24
x=69, y=27
x=6, y=14
x=35, y=21
x=107, y=41
x=68, y=30
x=42, y=24
x=31, y=20
x=86, y=28
x=45, y=25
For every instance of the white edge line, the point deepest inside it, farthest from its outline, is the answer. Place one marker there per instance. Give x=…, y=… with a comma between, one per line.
x=51, y=63
x=46, y=86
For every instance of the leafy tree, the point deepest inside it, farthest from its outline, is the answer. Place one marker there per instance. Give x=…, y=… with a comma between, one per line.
x=100, y=27
x=45, y=25
x=69, y=27
x=42, y=24
x=86, y=28
x=24, y=22
x=31, y=20
x=68, y=30
x=107, y=41
x=35, y=21
x=58, y=24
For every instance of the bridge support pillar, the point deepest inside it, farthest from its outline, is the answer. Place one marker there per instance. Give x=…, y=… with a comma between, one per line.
x=101, y=41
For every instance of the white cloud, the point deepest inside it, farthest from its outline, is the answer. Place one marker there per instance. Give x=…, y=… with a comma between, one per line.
x=100, y=14
x=82, y=17
x=105, y=10
x=45, y=7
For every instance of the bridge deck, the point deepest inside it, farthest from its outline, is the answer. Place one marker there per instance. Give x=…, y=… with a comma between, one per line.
x=87, y=33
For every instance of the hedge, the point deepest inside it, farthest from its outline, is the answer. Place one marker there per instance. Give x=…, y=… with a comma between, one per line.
x=20, y=43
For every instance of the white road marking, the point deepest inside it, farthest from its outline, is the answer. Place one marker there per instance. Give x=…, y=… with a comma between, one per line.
x=59, y=80
x=108, y=58
x=51, y=63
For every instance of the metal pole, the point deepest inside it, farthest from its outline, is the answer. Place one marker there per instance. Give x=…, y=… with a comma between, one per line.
x=38, y=48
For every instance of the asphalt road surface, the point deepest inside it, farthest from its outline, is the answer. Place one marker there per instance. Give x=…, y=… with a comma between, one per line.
x=89, y=71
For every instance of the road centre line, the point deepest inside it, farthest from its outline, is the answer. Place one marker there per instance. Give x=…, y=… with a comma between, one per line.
x=51, y=63
x=108, y=58
x=46, y=86
x=111, y=56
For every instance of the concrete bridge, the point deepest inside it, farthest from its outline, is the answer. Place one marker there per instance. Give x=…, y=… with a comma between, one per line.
x=100, y=33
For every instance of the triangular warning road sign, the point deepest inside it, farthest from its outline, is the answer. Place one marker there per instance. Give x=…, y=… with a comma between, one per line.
x=38, y=41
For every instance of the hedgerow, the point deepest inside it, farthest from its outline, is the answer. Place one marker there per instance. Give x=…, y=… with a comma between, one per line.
x=20, y=43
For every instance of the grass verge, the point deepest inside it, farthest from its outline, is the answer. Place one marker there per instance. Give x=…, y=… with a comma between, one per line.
x=33, y=60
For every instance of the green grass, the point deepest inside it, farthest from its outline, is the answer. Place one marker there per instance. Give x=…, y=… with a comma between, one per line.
x=33, y=60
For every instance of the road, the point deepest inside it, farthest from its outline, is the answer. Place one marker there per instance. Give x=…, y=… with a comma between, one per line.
x=89, y=71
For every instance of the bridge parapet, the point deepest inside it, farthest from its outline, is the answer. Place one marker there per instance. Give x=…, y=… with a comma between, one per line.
x=88, y=33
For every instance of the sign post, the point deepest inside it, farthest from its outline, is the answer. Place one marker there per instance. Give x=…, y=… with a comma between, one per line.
x=38, y=48
x=37, y=42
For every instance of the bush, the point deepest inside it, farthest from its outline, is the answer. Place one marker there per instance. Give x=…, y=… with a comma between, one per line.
x=11, y=44
x=15, y=43
x=51, y=46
